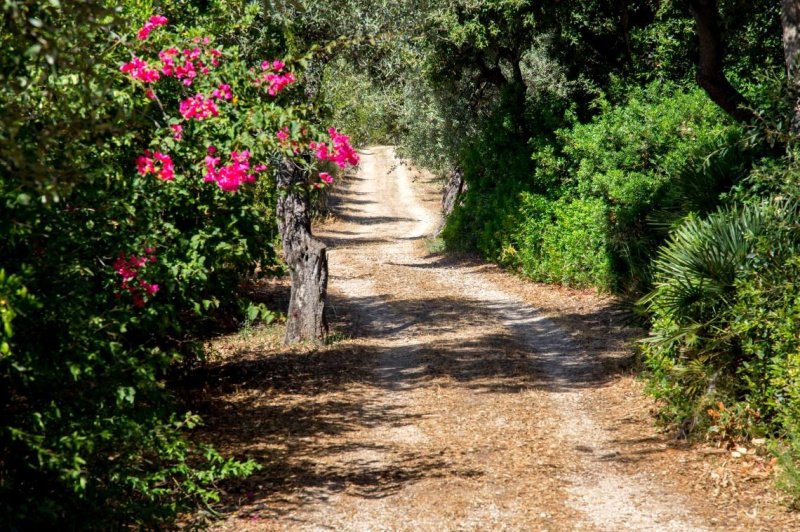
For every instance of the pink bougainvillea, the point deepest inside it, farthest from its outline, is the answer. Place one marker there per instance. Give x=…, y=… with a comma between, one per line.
x=156, y=163
x=223, y=92
x=177, y=131
x=231, y=176
x=139, y=69
x=326, y=178
x=187, y=64
x=339, y=151
x=274, y=77
x=198, y=107
x=130, y=268
x=283, y=134
x=152, y=23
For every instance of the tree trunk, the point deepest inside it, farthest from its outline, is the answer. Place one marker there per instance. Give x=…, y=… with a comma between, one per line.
x=453, y=189
x=710, y=72
x=306, y=257
x=790, y=21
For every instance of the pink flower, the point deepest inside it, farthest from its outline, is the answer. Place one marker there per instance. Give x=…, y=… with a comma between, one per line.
x=283, y=134
x=150, y=288
x=150, y=94
x=326, y=178
x=144, y=164
x=131, y=269
x=222, y=92
x=154, y=22
x=167, y=170
x=276, y=80
x=340, y=151
x=164, y=170
x=177, y=131
x=211, y=150
x=138, y=69
x=231, y=176
x=198, y=107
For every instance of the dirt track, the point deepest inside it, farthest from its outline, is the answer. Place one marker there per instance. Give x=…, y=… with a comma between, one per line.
x=458, y=405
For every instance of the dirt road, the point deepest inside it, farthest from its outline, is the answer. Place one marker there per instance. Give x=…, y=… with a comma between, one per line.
x=458, y=405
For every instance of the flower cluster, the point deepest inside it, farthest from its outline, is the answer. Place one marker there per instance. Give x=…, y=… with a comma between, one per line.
x=223, y=92
x=156, y=163
x=152, y=23
x=130, y=269
x=231, y=176
x=198, y=107
x=139, y=69
x=177, y=131
x=185, y=65
x=283, y=135
x=326, y=178
x=339, y=151
x=274, y=77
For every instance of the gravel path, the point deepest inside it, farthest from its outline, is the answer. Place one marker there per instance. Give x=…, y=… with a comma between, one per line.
x=382, y=259
x=467, y=399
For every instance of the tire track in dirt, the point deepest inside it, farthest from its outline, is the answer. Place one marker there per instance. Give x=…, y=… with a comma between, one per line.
x=377, y=255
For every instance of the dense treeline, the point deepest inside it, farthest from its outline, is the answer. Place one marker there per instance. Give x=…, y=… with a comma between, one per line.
x=642, y=148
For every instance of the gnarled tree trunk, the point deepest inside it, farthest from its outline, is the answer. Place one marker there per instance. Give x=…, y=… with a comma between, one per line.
x=710, y=62
x=453, y=189
x=306, y=257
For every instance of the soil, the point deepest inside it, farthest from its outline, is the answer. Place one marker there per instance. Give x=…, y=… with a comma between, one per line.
x=457, y=397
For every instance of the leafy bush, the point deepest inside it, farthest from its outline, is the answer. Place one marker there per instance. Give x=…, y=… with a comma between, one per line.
x=639, y=156
x=590, y=207
x=725, y=328
x=563, y=241
x=130, y=219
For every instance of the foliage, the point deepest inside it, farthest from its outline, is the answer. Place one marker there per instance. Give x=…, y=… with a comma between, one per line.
x=637, y=157
x=137, y=199
x=725, y=319
x=366, y=111
x=565, y=241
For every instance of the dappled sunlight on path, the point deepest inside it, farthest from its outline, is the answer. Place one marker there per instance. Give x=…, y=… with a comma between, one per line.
x=457, y=404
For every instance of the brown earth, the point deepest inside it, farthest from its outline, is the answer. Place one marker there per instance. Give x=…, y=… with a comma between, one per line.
x=466, y=399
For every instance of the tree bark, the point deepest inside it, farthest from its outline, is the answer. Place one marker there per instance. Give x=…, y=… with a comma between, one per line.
x=790, y=22
x=453, y=190
x=710, y=72
x=306, y=257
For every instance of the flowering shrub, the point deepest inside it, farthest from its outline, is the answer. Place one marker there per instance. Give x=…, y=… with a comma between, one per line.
x=339, y=151
x=130, y=269
x=89, y=428
x=274, y=77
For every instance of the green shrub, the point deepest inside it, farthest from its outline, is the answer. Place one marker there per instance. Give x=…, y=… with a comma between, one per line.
x=725, y=320
x=642, y=158
x=563, y=241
